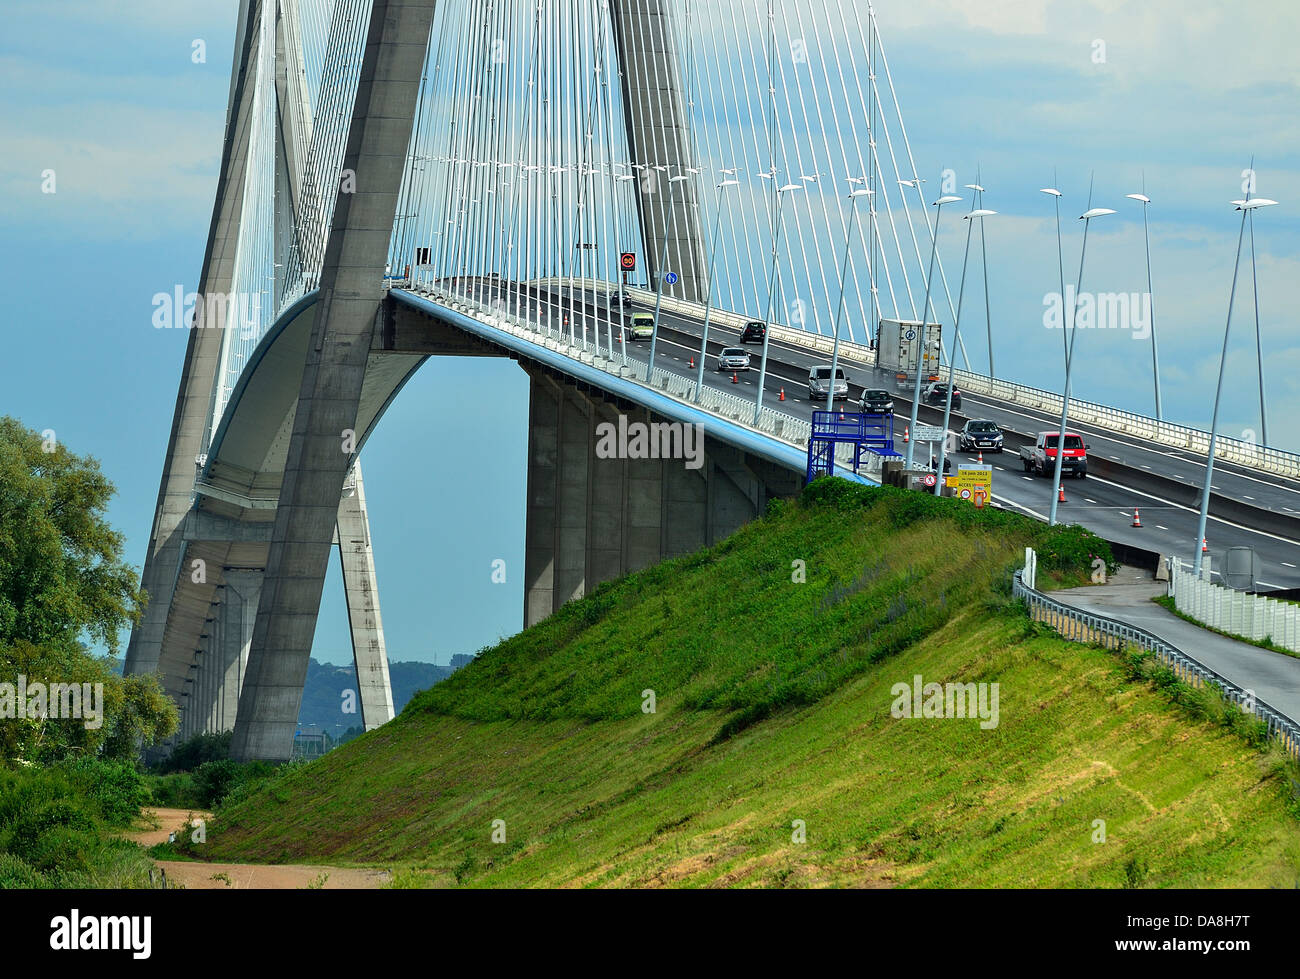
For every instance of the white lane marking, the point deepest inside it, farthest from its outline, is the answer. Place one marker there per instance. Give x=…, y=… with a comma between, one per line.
x=1090, y=501
x=1247, y=497
x=1178, y=506
x=1158, y=527
x=1027, y=479
x=1288, y=564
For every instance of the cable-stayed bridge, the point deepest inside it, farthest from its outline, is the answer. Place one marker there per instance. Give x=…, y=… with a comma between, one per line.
x=403, y=178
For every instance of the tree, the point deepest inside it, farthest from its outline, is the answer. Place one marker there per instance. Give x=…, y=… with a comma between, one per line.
x=61, y=569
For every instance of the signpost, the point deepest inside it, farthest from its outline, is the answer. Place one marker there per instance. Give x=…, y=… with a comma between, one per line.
x=627, y=262
x=671, y=278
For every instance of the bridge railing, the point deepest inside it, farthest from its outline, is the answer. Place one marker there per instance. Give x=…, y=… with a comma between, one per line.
x=1080, y=626
x=1240, y=451
x=737, y=410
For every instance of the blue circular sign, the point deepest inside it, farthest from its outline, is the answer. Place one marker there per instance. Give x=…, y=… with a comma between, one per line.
x=910, y=335
x=671, y=278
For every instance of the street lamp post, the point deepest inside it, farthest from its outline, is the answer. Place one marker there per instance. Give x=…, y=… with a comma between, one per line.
x=708, y=302
x=1245, y=207
x=1086, y=217
x=1151, y=304
x=925, y=315
x=839, y=308
x=659, y=297
x=1060, y=269
x=771, y=284
x=956, y=331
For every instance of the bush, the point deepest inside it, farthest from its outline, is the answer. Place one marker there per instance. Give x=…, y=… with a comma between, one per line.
x=195, y=751
x=116, y=788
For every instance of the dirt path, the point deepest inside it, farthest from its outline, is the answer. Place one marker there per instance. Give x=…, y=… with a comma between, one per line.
x=227, y=876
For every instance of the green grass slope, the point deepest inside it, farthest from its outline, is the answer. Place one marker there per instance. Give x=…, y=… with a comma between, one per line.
x=772, y=758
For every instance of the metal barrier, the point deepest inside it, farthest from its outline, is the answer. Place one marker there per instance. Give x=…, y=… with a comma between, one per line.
x=1079, y=626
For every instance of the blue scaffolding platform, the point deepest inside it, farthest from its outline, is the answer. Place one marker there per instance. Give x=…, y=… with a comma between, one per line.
x=865, y=432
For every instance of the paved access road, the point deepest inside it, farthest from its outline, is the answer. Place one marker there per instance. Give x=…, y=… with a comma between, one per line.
x=1275, y=677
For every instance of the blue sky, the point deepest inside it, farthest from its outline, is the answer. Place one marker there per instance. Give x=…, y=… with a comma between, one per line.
x=109, y=98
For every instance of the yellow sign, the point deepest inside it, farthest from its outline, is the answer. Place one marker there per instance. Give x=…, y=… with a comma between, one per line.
x=968, y=477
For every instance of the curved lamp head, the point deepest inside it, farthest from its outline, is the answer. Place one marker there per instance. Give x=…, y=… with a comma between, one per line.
x=1050, y=190
x=728, y=183
x=947, y=199
x=1253, y=203
x=1096, y=212
x=790, y=187
x=974, y=187
x=1139, y=197
x=982, y=213
x=678, y=179
x=860, y=193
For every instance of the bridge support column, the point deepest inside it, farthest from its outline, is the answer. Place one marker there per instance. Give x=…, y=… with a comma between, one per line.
x=593, y=516
x=361, y=589
x=324, y=424
x=238, y=613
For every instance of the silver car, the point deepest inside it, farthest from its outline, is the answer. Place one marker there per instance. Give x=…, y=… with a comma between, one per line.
x=733, y=359
x=819, y=378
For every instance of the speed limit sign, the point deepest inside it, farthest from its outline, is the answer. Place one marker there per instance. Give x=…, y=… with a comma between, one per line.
x=964, y=494
x=627, y=261
x=929, y=479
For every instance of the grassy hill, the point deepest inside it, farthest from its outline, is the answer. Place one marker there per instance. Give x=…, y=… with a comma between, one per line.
x=772, y=715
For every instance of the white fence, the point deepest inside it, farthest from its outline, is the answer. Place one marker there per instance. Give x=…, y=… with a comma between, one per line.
x=1237, y=612
x=1241, y=452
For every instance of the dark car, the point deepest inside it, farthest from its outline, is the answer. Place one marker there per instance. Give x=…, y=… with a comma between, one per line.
x=937, y=394
x=875, y=401
x=753, y=332
x=979, y=434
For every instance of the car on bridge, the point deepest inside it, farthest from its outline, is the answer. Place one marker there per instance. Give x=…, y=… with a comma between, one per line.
x=876, y=401
x=979, y=434
x=754, y=332
x=1040, y=457
x=733, y=359
x=640, y=326
x=936, y=393
x=819, y=382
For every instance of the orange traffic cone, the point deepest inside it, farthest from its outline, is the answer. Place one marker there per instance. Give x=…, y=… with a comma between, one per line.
x=907, y=434
x=1061, y=497
x=1137, y=520
x=981, y=458
x=1204, y=547
x=735, y=379
x=692, y=363
x=782, y=398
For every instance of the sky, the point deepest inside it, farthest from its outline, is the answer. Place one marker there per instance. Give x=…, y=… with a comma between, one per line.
x=112, y=99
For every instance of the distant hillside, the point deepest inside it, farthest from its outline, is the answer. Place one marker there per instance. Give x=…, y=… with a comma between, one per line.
x=323, y=694
x=777, y=754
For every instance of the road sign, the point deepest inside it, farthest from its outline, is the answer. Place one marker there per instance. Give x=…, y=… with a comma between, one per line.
x=627, y=261
x=909, y=335
x=964, y=494
x=928, y=433
x=929, y=479
x=969, y=477
x=671, y=278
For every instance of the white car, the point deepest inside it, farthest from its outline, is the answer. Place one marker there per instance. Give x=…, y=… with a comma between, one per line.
x=733, y=359
x=819, y=378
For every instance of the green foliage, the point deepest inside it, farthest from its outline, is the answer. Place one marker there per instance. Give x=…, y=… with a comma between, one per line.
x=214, y=780
x=135, y=711
x=194, y=751
x=115, y=787
x=61, y=568
x=56, y=827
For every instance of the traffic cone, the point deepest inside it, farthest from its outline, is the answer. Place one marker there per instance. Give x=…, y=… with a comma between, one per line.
x=1204, y=548
x=1061, y=498
x=782, y=398
x=735, y=379
x=907, y=434
x=692, y=363
x=981, y=458
x=1137, y=520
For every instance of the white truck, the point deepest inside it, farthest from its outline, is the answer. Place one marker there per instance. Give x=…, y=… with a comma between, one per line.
x=898, y=342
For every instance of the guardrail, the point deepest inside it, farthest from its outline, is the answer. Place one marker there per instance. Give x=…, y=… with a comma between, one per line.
x=740, y=411
x=1080, y=626
x=1243, y=453
x=1229, y=610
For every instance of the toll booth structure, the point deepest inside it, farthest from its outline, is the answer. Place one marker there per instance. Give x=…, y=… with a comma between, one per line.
x=864, y=431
